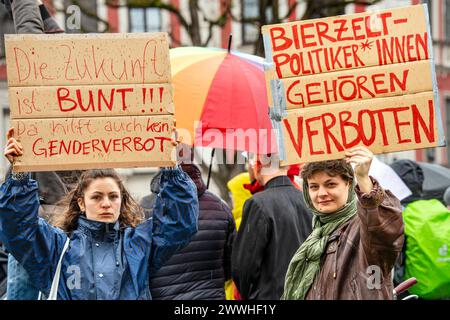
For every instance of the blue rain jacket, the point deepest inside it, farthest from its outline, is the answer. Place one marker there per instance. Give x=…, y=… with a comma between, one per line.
x=104, y=260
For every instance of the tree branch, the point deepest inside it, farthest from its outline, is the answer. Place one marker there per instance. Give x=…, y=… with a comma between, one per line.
x=151, y=4
x=219, y=22
x=290, y=11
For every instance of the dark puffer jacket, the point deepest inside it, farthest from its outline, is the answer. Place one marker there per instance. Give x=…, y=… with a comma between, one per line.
x=198, y=271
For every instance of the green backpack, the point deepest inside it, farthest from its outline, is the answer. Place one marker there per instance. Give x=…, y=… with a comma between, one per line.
x=427, y=230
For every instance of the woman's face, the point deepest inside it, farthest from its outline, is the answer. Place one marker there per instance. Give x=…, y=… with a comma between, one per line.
x=328, y=194
x=102, y=200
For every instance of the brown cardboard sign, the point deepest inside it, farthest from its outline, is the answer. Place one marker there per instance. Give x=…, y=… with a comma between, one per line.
x=357, y=84
x=361, y=40
x=382, y=125
x=362, y=71
x=79, y=59
x=91, y=101
x=106, y=142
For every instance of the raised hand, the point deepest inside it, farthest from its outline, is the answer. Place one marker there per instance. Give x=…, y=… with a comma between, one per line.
x=361, y=157
x=13, y=148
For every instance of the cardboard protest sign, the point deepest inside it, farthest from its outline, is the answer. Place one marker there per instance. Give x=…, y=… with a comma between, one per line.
x=327, y=76
x=361, y=84
x=91, y=101
x=384, y=125
x=106, y=142
x=80, y=59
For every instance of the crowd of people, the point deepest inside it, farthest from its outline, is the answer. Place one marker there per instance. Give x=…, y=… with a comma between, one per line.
x=337, y=235
x=315, y=244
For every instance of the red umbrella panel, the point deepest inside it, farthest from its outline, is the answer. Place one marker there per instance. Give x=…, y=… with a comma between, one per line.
x=221, y=99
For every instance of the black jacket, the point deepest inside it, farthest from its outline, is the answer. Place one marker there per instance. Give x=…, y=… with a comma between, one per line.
x=275, y=222
x=199, y=270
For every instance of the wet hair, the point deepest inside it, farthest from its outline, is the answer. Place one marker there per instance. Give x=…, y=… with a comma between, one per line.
x=130, y=212
x=331, y=167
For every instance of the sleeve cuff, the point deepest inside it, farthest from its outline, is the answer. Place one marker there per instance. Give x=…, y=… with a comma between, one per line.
x=373, y=198
x=20, y=176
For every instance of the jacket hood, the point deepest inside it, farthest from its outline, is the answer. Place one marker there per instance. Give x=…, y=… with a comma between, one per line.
x=192, y=170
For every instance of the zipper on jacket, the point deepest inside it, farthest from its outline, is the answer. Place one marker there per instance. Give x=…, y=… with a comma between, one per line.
x=335, y=260
x=332, y=238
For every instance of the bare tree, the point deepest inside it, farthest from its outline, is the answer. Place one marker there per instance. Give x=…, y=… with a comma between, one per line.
x=191, y=20
x=269, y=13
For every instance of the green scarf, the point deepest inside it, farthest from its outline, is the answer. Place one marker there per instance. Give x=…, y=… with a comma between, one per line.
x=305, y=265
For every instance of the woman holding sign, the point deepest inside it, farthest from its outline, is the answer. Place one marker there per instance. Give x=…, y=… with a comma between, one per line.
x=357, y=233
x=98, y=248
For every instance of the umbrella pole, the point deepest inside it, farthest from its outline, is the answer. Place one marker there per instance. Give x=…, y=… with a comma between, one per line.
x=229, y=42
x=210, y=168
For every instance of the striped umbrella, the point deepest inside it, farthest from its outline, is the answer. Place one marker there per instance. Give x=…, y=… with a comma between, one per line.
x=223, y=91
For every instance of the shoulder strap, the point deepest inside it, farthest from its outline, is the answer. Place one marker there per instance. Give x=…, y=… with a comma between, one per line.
x=54, y=288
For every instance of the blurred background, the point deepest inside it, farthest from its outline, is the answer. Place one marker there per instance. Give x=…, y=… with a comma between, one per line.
x=208, y=23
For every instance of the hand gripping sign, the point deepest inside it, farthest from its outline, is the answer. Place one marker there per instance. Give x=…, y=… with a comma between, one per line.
x=362, y=79
x=91, y=101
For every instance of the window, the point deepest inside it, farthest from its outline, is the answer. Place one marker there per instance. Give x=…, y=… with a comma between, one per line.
x=431, y=155
x=250, y=10
x=447, y=20
x=144, y=20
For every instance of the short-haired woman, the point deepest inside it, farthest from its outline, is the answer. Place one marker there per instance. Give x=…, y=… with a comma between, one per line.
x=357, y=233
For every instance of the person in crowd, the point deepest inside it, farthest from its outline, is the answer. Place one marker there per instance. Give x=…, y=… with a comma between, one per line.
x=357, y=233
x=111, y=254
x=412, y=175
x=242, y=187
x=254, y=186
x=31, y=16
x=427, y=224
x=274, y=223
x=199, y=270
x=239, y=194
